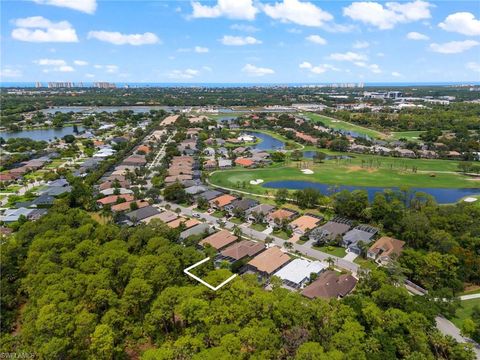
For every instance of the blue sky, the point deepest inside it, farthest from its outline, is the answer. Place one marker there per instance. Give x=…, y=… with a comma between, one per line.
x=283, y=41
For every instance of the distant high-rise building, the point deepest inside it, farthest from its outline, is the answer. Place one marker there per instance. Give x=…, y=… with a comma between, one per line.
x=38, y=84
x=104, y=85
x=59, y=85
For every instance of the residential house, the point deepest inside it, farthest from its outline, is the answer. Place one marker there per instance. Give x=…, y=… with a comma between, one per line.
x=240, y=250
x=210, y=164
x=196, y=189
x=330, y=231
x=268, y=261
x=221, y=201
x=304, y=223
x=166, y=216
x=330, y=285
x=219, y=240
x=263, y=209
x=112, y=199
x=385, y=250
x=209, y=195
x=406, y=153
x=224, y=163
x=138, y=215
x=245, y=162
x=278, y=216
x=360, y=234
x=240, y=206
x=124, y=206
x=298, y=272
x=186, y=223
x=135, y=160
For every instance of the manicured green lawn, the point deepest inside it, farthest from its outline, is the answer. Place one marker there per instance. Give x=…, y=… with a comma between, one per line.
x=476, y=291
x=258, y=227
x=465, y=311
x=236, y=220
x=365, y=263
x=281, y=234
x=343, y=125
x=409, y=135
x=343, y=173
x=332, y=250
x=218, y=214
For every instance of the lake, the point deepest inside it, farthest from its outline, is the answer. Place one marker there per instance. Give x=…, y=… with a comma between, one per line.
x=40, y=134
x=111, y=109
x=267, y=142
x=442, y=195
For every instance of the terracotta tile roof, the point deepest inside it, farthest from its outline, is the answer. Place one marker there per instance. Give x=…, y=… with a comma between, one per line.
x=244, y=162
x=126, y=205
x=243, y=249
x=112, y=199
x=387, y=246
x=144, y=148
x=304, y=223
x=222, y=200
x=270, y=260
x=187, y=222
x=330, y=285
x=219, y=240
x=281, y=214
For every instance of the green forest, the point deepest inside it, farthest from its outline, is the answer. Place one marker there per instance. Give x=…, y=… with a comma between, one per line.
x=73, y=288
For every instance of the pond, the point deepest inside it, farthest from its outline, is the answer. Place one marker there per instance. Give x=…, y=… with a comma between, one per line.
x=40, y=134
x=442, y=195
x=310, y=154
x=268, y=142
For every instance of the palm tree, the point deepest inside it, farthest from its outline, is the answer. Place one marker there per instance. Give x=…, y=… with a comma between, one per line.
x=288, y=245
x=331, y=262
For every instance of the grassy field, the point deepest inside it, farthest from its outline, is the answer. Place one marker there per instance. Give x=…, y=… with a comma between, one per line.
x=409, y=135
x=342, y=172
x=464, y=312
x=258, y=227
x=343, y=125
x=365, y=263
x=332, y=250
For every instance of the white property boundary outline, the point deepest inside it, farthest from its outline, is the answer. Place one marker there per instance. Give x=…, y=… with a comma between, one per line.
x=187, y=271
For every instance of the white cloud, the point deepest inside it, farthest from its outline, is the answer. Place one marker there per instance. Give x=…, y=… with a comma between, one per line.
x=8, y=72
x=88, y=75
x=108, y=68
x=56, y=65
x=396, y=74
x=117, y=38
x=111, y=68
x=40, y=29
x=462, y=23
x=357, y=59
x=183, y=74
x=201, y=49
x=253, y=70
x=244, y=27
x=453, y=47
x=361, y=45
x=348, y=56
x=474, y=66
x=232, y=9
x=50, y=62
x=316, y=39
x=86, y=6
x=386, y=17
x=80, y=62
x=239, y=40
x=417, y=36
x=318, y=69
x=297, y=12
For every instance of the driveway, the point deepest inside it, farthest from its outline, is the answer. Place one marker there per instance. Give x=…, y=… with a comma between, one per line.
x=446, y=327
x=350, y=256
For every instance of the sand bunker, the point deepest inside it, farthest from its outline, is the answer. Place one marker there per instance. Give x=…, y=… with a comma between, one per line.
x=470, y=199
x=256, y=182
x=307, y=171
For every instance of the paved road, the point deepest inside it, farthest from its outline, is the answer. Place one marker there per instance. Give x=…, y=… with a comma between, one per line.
x=446, y=327
x=304, y=249
x=470, y=297
x=160, y=154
